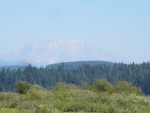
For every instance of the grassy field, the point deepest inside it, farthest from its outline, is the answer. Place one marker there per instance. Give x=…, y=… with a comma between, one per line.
x=65, y=98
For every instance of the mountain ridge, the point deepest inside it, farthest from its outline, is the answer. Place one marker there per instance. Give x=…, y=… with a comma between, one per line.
x=76, y=64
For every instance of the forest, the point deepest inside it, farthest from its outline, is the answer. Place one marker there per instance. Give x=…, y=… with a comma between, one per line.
x=135, y=74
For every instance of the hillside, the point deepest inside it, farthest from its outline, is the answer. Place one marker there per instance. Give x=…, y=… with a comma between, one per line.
x=74, y=65
x=13, y=67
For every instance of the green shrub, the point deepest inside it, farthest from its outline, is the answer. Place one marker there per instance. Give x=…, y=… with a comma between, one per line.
x=63, y=86
x=22, y=87
x=45, y=108
x=37, y=93
x=7, y=96
x=103, y=86
x=125, y=87
x=75, y=106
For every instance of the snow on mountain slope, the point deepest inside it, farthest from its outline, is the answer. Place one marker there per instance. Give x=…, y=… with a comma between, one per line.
x=49, y=52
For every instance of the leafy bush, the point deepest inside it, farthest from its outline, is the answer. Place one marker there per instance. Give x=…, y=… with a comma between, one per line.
x=63, y=86
x=7, y=96
x=103, y=86
x=125, y=87
x=22, y=87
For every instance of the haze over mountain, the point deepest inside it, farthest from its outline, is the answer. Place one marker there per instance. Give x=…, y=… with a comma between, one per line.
x=12, y=63
x=49, y=52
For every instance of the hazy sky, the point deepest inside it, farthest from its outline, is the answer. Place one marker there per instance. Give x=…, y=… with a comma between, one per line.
x=121, y=27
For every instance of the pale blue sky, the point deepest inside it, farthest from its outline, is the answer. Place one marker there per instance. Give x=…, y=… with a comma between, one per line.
x=121, y=27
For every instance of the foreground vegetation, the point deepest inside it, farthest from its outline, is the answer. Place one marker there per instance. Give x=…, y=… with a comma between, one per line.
x=101, y=97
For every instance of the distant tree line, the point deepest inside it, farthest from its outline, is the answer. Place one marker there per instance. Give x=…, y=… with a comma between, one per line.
x=137, y=74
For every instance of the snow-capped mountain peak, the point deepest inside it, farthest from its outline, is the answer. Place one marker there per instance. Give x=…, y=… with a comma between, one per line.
x=48, y=52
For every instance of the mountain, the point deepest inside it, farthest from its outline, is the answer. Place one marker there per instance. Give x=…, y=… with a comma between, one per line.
x=50, y=52
x=13, y=67
x=10, y=63
x=74, y=65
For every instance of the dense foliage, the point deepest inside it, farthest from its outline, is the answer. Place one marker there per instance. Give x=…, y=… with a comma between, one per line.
x=68, y=98
x=22, y=87
x=137, y=74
